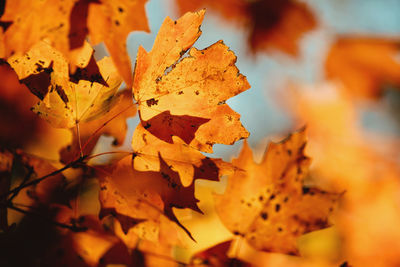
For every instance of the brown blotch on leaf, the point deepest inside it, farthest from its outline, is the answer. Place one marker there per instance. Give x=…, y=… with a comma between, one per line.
x=165, y=125
x=151, y=102
x=39, y=83
x=264, y=215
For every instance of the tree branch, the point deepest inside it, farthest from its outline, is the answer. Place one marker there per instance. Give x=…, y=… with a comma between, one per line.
x=16, y=190
x=73, y=228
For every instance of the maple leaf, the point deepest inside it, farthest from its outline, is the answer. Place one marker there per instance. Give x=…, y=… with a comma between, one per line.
x=185, y=96
x=268, y=203
x=279, y=25
x=144, y=194
x=65, y=25
x=364, y=64
x=64, y=100
x=112, y=124
x=157, y=178
x=270, y=24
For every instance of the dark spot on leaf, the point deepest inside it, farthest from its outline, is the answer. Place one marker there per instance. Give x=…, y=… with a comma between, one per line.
x=299, y=171
x=5, y=24
x=306, y=190
x=264, y=215
x=120, y=9
x=89, y=73
x=165, y=125
x=301, y=148
x=39, y=83
x=277, y=207
x=62, y=94
x=151, y=102
x=207, y=170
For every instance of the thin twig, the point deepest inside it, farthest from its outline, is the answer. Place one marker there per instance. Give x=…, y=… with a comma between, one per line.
x=73, y=228
x=23, y=182
x=36, y=181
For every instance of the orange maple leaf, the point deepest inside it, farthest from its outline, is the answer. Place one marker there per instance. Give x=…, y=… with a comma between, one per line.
x=157, y=178
x=268, y=203
x=67, y=99
x=185, y=95
x=270, y=24
x=364, y=64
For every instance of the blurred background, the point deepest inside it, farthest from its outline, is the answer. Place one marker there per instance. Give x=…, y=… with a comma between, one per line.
x=334, y=66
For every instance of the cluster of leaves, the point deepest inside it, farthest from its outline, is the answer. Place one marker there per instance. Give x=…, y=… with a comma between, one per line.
x=180, y=94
